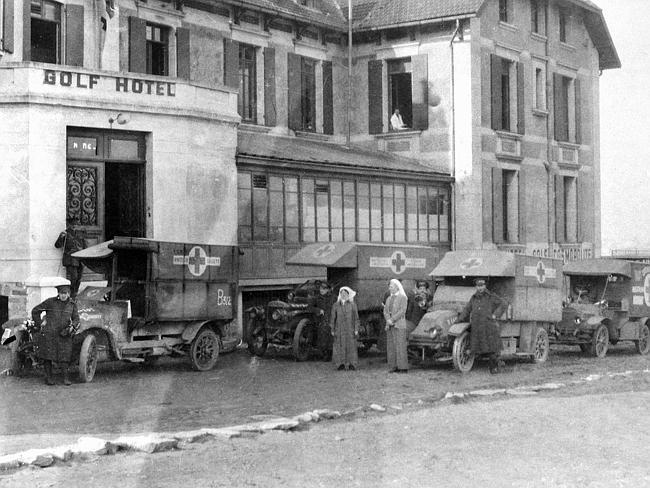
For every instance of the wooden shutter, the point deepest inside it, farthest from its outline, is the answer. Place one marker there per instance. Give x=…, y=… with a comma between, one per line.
x=521, y=176
x=559, y=209
x=137, y=45
x=578, y=112
x=27, y=30
x=375, y=105
x=231, y=63
x=521, y=101
x=294, y=85
x=74, y=35
x=496, y=65
x=497, y=205
x=559, y=108
x=420, y=91
x=183, y=53
x=328, y=99
x=8, y=26
x=270, y=113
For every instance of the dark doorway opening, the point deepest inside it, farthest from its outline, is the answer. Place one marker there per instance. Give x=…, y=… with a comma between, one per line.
x=124, y=200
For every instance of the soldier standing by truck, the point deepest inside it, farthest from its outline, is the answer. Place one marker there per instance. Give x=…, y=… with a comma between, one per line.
x=482, y=310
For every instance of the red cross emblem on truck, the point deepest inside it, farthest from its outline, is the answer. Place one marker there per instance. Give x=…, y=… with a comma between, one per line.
x=197, y=260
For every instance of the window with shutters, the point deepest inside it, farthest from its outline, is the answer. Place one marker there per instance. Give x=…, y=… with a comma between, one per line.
x=46, y=31
x=566, y=208
x=505, y=206
x=563, y=19
x=538, y=17
x=507, y=86
x=540, y=85
x=565, y=99
x=400, y=89
x=247, y=99
x=157, y=49
x=308, y=94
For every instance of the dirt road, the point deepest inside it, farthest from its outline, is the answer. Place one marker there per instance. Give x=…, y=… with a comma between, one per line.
x=595, y=440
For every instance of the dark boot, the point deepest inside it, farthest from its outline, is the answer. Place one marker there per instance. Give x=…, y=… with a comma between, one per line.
x=493, y=364
x=66, y=375
x=48, y=373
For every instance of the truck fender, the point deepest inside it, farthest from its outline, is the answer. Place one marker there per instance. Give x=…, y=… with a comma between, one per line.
x=191, y=329
x=594, y=321
x=458, y=328
x=99, y=332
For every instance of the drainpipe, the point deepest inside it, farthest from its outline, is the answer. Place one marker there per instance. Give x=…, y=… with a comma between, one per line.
x=453, y=136
x=347, y=138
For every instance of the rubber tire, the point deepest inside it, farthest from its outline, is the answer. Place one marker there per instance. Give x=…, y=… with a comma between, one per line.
x=461, y=356
x=254, y=347
x=643, y=344
x=300, y=352
x=88, y=359
x=599, y=342
x=541, y=346
x=584, y=348
x=204, y=350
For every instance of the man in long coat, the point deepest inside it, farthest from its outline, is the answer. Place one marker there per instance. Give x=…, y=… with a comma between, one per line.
x=482, y=310
x=71, y=240
x=54, y=341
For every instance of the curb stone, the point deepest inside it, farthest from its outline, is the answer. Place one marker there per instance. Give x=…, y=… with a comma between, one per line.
x=88, y=447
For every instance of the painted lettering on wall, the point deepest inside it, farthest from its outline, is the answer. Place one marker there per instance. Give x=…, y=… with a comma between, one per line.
x=122, y=84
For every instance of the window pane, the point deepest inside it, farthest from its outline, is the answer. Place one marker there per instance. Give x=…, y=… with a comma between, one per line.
x=244, y=211
x=260, y=214
x=291, y=216
x=412, y=213
x=400, y=208
x=349, y=216
x=389, y=225
x=82, y=146
x=276, y=216
x=423, y=233
x=123, y=149
x=375, y=213
x=308, y=211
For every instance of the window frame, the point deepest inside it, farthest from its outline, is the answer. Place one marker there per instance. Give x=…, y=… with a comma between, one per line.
x=58, y=48
x=398, y=67
x=563, y=21
x=360, y=214
x=165, y=32
x=505, y=11
x=308, y=94
x=538, y=17
x=247, y=96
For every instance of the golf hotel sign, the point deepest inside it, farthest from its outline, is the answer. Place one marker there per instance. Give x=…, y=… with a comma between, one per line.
x=120, y=84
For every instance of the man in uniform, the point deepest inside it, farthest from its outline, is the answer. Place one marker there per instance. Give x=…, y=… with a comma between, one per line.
x=418, y=302
x=54, y=341
x=482, y=311
x=71, y=240
x=324, y=332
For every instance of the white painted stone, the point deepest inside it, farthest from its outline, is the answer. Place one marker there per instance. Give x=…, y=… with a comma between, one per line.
x=377, y=408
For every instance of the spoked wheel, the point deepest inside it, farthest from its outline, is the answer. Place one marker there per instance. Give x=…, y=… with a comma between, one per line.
x=600, y=342
x=541, y=346
x=88, y=359
x=257, y=342
x=643, y=344
x=302, y=340
x=461, y=354
x=204, y=350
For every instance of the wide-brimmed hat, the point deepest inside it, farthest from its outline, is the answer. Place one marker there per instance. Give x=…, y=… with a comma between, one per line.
x=480, y=280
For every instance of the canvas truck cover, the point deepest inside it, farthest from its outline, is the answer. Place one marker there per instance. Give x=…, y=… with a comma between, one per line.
x=371, y=261
x=532, y=285
x=598, y=267
x=185, y=281
x=197, y=281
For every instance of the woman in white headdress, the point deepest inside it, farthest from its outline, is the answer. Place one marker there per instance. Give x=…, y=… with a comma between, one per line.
x=395, y=315
x=344, y=321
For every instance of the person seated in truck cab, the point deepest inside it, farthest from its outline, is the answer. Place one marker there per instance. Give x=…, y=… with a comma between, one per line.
x=581, y=294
